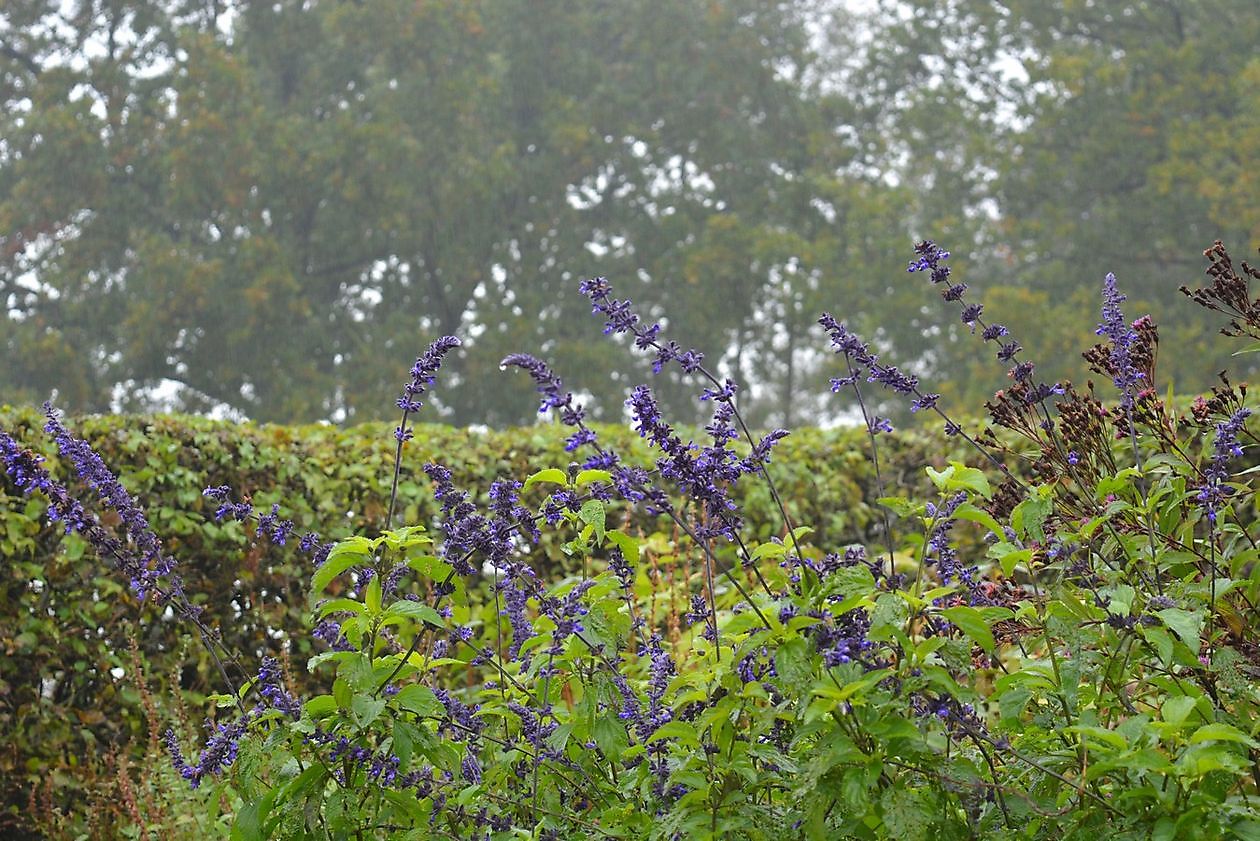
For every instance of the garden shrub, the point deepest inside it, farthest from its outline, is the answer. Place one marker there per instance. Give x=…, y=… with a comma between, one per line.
x=64, y=620
x=1058, y=640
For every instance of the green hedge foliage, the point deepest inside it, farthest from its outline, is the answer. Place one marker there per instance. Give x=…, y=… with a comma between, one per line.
x=64, y=616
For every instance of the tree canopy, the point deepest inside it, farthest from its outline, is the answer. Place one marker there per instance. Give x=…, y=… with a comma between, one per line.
x=271, y=207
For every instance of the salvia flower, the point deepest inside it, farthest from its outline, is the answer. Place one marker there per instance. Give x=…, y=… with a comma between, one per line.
x=621, y=318
x=1214, y=490
x=150, y=567
x=1122, y=338
x=424, y=371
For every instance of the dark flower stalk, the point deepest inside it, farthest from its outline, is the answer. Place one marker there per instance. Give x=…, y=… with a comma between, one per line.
x=1123, y=338
x=621, y=318
x=423, y=373
x=851, y=346
x=862, y=361
x=270, y=525
x=150, y=567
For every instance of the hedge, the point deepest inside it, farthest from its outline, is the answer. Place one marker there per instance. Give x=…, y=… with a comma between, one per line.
x=64, y=616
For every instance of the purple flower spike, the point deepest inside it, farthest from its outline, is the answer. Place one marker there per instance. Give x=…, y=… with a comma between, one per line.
x=1123, y=337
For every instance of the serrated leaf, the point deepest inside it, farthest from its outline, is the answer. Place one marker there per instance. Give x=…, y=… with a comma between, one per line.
x=967, y=511
x=968, y=478
x=1010, y=560
x=1162, y=642
x=628, y=545
x=593, y=514
x=768, y=550
x=320, y=706
x=366, y=708
x=339, y=606
x=940, y=477
x=900, y=506
x=682, y=731
x=1175, y=710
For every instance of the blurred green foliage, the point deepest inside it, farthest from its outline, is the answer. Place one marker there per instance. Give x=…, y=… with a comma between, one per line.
x=273, y=206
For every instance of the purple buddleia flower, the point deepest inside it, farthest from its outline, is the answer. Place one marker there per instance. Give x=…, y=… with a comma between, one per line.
x=470, y=768
x=536, y=729
x=931, y=258
x=845, y=342
x=660, y=670
x=566, y=613
x=941, y=554
x=700, y=612
x=704, y=474
x=464, y=527
x=219, y=752
x=270, y=526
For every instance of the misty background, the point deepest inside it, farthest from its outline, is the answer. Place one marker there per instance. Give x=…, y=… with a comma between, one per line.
x=267, y=210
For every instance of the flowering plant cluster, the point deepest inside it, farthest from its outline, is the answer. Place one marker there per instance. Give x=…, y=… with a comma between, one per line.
x=1084, y=660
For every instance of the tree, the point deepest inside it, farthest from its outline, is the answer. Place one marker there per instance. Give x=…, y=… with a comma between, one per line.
x=284, y=202
x=1085, y=138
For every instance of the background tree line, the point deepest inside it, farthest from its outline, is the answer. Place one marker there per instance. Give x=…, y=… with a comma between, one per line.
x=272, y=207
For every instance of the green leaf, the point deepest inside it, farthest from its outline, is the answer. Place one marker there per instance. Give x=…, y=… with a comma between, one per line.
x=1186, y=625
x=419, y=700
x=344, y=555
x=682, y=731
x=372, y=598
x=1030, y=515
x=1162, y=642
x=340, y=605
x=1009, y=560
x=794, y=664
x=1175, y=710
x=1222, y=733
x=967, y=511
x=900, y=506
x=248, y=823
x=586, y=477
x=768, y=550
x=940, y=477
x=430, y=566
x=416, y=610
x=320, y=706
x=366, y=708
x=554, y=475
x=971, y=622
x=628, y=545
x=968, y=478
x=593, y=514
x=342, y=693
